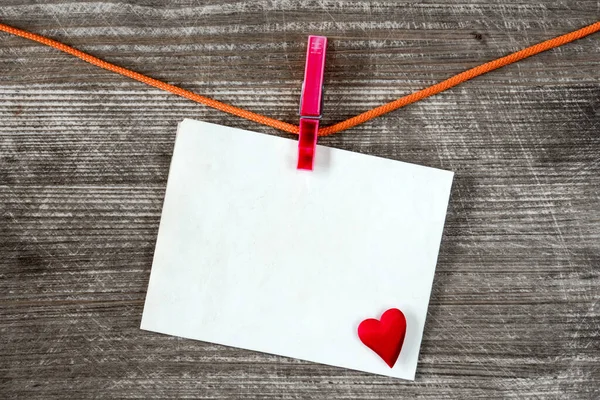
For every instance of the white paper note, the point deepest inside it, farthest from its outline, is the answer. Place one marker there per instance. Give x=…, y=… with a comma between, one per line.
x=253, y=253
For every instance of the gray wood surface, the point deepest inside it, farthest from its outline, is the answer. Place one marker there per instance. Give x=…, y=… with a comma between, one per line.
x=84, y=157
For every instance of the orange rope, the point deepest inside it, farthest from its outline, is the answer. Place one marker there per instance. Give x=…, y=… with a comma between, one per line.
x=261, y=119
x=349, y=123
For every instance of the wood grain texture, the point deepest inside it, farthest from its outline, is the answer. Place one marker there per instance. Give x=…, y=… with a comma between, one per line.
x=84, y=157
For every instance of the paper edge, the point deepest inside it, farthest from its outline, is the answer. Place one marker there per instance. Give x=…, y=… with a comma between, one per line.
x=179, y=125
x=319, y=146
x=411, y=378
x=420, y=347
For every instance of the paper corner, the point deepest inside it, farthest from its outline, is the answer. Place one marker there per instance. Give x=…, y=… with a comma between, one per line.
x=184, y=123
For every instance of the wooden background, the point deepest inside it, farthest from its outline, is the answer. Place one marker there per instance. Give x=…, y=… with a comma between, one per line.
x=84, y=157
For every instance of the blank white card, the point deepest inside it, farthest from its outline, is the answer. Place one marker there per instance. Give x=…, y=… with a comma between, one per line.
x=253, y=253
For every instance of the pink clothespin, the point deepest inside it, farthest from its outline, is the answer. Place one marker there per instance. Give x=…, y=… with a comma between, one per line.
x=311, y=100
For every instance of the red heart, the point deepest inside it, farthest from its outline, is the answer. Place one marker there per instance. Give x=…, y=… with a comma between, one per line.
x=384, y=337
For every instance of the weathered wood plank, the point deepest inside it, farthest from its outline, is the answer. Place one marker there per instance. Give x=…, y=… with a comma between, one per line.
x=84, y=157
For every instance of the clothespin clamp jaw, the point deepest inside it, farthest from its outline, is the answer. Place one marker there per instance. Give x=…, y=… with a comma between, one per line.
x=311, y=101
